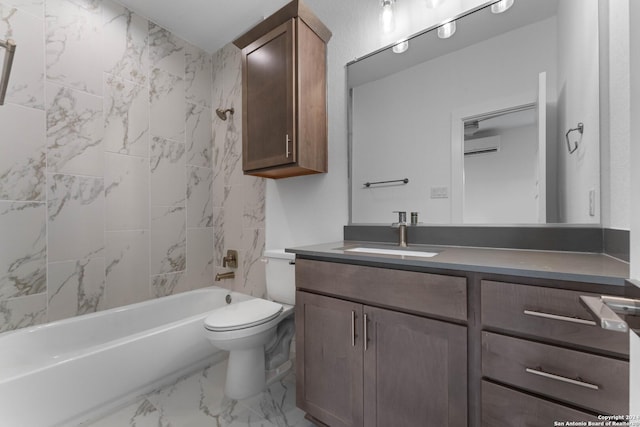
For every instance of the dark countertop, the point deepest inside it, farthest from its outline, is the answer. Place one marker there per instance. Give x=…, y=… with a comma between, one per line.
x=556, y=265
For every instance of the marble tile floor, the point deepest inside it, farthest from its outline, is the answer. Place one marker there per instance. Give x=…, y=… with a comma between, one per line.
x=197, y=400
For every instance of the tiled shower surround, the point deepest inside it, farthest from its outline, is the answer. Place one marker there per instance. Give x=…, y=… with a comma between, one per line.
x=118, y=183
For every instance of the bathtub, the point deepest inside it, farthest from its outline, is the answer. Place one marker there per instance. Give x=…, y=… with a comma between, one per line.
x=67, y=371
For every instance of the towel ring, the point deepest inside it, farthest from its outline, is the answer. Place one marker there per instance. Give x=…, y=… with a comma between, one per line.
x=579, y=128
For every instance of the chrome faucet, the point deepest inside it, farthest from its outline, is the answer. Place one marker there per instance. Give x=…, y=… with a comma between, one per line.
x=402, y=228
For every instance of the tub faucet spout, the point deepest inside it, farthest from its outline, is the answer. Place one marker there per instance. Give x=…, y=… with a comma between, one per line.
x=227, y=275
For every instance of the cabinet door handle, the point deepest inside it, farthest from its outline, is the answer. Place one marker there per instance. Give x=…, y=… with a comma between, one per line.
x=365, y=334
x=353, y=328
x=287, y=141
x=560, y=378
x=563, y=318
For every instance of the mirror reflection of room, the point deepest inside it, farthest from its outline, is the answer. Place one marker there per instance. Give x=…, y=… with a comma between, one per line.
x=501, y=174
x=411, y=113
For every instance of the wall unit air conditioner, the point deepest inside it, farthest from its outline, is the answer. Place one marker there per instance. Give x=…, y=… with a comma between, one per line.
x=487, y=145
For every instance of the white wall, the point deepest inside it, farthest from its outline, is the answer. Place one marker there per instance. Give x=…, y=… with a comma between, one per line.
x=501, y=187
x=615, y=119
x=398, y=129
x=314, y=209
x=634, y=16
x=578, y=86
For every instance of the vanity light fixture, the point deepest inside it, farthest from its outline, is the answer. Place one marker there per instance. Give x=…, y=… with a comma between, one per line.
x=501, y=6
x=447, y=30
x=387, y=20
x=401, y=46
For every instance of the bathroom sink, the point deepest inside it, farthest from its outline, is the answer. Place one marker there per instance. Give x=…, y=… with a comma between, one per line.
x=391, y=251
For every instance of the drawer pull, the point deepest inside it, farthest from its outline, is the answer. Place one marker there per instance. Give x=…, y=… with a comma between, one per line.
x=563, y=379
x=286, y=145
x=353, y=328
x=563, y=318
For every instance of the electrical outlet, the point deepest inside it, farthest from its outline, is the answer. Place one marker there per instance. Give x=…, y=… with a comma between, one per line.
x=439, y=192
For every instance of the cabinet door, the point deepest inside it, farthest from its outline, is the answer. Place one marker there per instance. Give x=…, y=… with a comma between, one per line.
x=268, y=99
x=415, y=371
x=329, y=359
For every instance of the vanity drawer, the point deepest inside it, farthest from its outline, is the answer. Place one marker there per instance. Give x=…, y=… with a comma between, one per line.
x=596, y=383
x=504, y=407
x=554, y=314
x=421, y=293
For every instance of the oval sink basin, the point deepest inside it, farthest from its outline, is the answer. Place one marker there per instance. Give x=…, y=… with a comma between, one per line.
x=389, y=251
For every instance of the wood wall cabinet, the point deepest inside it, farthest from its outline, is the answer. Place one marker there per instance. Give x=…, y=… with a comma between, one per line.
x=361, y=365
x=284, y=85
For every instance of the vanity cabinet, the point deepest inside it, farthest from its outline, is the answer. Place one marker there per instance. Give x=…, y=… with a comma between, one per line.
x=539, y=341
x=363, y=360
x=284, y=114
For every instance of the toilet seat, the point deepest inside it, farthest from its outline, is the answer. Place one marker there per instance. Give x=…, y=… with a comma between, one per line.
x=242, y=315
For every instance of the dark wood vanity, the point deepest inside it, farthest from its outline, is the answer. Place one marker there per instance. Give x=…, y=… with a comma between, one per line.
x=380, y=347
x=380, y=343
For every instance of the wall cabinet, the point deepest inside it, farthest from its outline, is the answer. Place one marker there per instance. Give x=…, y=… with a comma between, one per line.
x=361, y=365
x=284, y=113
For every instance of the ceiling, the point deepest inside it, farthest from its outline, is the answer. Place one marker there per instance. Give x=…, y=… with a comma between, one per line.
x=208, y=24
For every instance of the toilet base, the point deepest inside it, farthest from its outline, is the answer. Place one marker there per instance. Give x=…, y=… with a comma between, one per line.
x=246, y=376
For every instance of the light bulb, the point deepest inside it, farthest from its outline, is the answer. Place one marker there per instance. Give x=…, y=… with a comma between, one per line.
x=447, y=30
x=432, y=4
x=501, y=6
x=401, y=46
x=387, y=20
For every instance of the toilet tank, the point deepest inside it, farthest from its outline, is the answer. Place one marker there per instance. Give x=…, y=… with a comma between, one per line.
x=280, y=276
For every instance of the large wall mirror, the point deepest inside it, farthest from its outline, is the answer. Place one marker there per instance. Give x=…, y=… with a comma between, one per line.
x=497, y=124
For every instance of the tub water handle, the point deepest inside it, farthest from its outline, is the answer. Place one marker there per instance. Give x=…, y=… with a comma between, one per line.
x=231, y=260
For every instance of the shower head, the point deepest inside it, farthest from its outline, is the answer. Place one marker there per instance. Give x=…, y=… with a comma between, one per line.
x=223, y=113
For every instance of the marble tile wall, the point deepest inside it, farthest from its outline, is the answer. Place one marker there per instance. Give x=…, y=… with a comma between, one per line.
x=238, y=200
x=118, y=183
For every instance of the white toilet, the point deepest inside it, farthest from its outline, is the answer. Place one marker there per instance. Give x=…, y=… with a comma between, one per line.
x=249, y=329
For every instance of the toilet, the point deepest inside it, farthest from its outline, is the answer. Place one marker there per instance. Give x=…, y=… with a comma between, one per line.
x=257, y=332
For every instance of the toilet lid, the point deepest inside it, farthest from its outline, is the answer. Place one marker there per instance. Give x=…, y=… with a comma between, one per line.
x=242, y=315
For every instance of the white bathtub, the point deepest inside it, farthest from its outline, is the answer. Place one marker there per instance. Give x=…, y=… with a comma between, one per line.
x=65, y=371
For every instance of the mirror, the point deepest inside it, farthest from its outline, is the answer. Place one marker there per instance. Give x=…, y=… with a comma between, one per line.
x=478, y=128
